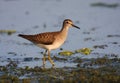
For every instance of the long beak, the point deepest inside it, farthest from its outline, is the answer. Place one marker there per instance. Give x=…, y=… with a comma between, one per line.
x=75, y=26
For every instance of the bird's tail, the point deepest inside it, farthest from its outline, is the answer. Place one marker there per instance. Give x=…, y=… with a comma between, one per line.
x=28, y=37
x=21, y=35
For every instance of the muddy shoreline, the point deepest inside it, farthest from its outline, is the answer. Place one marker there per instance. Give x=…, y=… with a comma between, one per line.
x=87, y=70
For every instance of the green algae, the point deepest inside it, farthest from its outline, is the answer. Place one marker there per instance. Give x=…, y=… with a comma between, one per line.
x=84, y=51
x=66, y=53
x=8, y=32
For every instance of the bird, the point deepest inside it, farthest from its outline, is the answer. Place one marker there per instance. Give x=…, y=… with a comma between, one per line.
x=50, y=40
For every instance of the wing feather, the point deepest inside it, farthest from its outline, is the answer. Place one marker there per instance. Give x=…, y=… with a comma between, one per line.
x=42, y=38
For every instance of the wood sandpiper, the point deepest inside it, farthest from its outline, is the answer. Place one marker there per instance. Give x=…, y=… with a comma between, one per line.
x=50, y=40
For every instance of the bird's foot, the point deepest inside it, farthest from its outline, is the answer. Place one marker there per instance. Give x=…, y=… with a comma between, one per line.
x=43, y=67
x=53, y=66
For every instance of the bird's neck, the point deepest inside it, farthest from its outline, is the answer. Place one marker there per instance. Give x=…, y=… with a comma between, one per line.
x=64, y=31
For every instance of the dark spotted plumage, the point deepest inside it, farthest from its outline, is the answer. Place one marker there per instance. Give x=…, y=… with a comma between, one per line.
x=43, y=38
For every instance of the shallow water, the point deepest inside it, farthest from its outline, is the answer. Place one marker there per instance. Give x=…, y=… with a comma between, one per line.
x=99, y=29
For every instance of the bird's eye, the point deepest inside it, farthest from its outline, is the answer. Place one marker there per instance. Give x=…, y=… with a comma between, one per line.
x=67, y=22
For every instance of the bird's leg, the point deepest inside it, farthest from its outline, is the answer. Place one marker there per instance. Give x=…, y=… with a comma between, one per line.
x=49, y=58
x=44, y=58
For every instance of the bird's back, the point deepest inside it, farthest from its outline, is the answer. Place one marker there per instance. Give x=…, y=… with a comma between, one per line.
x=42, y=38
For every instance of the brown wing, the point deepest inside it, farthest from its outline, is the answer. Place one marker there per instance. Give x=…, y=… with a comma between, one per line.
x=43, y=38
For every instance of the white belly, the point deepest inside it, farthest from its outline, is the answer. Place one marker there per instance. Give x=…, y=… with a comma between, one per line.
x=50, y=47
x=53, y=46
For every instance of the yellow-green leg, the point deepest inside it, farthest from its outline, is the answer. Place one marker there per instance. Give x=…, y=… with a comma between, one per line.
x=44, y=58
x=49, y=58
